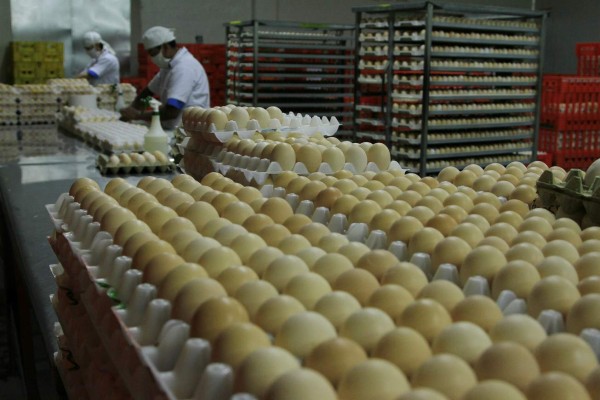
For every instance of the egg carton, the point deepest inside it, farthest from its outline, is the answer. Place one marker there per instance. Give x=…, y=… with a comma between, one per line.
x=571, y=197
x=108, y=165
x=292, y=123
x=153, y=354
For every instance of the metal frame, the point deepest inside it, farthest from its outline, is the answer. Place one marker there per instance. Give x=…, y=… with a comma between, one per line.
x=431, y=8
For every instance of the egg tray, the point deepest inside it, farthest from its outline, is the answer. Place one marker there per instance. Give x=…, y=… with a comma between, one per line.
x=571, y=197
x=87, y=255
x=305, y=125
x=102, y=163
x=68, y=370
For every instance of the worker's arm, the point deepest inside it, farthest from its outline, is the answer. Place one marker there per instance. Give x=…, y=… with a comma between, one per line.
x=137, y=110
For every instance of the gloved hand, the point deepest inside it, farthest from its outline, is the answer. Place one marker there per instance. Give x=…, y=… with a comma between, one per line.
x=130, y=114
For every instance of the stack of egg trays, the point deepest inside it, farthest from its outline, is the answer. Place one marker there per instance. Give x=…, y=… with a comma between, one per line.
x=133, y=326
x=105, y=168
x=571, y=196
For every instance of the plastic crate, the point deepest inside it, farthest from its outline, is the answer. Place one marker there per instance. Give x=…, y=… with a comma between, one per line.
x=24, y=51
x=569, y=161
x=588, y=59
x=51, y=70
x=25, y=71
x=571, y=102
x=580, y=142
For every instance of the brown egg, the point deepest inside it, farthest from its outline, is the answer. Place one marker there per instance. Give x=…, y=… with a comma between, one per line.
x=483, y=261
x=424, y=241
x=566, y=353
x=277, y=208
x=458, y=213
x=509, y=362
x=147, y=251
x=177, y=278
x=444, y=292
x=518, y=276
x=558, y=266
x=463, y=339
x=193, y=294
x=448, y=174
x=589, y=285
x=311, y=190
x=215, y=315
x=159, y=266
x=274, y=234
x=366, y=326
x=373, y=379
x=296, y=222
x=358, y=282
x=588, y=265
x=275, y=311
x=426, y=316
x=407, y=275
x=452, y=250
x=465, y=177
x=128, y=229
x=443, y=223
x=410, y=196
x=377, y=262
x=237, y=341
x=334, y=357
x=478, y=309
x=556, y=386
x=458, y=379
x=262, y=367
x=543, y=296
x=332, y=242
x=561, y=248
x=344, y=204
x=137, y=240
x=302, y=332
x=216, y=260
x=404, y=229
x=196, y=248
x=327, y=197
x=307, y=288
x=405, y=348
x=475, y=219
x=584, y=314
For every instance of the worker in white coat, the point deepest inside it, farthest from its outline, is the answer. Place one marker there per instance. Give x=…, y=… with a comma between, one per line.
x=180, y=83
x=104, y=67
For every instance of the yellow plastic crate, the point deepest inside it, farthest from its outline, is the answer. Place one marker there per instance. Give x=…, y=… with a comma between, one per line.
x=24, y=51
x=51, y=70
x=50, y=52
x=25, y=70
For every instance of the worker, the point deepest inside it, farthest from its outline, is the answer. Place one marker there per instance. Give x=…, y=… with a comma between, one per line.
x=104, y=67
x=180, y=83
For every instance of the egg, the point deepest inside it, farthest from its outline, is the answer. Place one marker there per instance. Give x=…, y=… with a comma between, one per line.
x=344, y=204
x=444, y=292
x=156, y=185
x=277, y=208
x=589, y=285
x=228, y=233
x=592, y=232
x=423, y=394
x=366, y=326
x=137, y=240
x=235, y=276
x=543, y=296
x=407, y=275
x=299, y=384
x=291, y=244
x=237, y=341
x=554, y=386
x=566, y=353
x=246, y=245
x=517, y=276
x=379, y=154
x=195, y=249
x=253, y=294
x=307, y=288
x=588, y=265
x=448, y=174
x=281, y=270
x=261, y=116
x=332, y=242
x=327, y=197
x=589, y=246
x=509, y=362
x=464, y=177
x=359, y=283
x=483, y=261
x=284, y=154
x=558, y=266
x=128, y=229
x=334, y=157
x=478, y=309
x=174, y=226
x=177, y=277
x=404, y=229
x=217, y=259
x=240, y=116
x=452, y=250
x=215, y=315
x=148, y=250
x=515, y=205
x=275, y=311
x=84, y=182
x=458, y=379
x=463, y=339
x=310, y=255
x=254, y=223
x=248, y=194
x=302, y=332
x=375, y=379
x=459, y=214
x=334, y=357
x=159, y=266
x=426, y=316
x=592, y=383
x=336, y=306
x=295, y=223
x=193, y=294
x=583, y=314
x=424, y=241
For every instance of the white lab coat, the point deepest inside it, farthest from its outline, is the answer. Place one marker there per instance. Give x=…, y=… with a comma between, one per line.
x=106, y=66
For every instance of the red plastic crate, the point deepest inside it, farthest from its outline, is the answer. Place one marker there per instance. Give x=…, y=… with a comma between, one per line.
x=545, y=157
x=568, y=161
x=571, y=102
x=588, y=59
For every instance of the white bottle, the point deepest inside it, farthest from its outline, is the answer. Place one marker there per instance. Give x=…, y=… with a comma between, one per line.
x=156, y=138
x=120, y=100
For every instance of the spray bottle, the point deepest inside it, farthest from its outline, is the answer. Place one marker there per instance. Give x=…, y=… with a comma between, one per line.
x=120, y=100
x=155, y=138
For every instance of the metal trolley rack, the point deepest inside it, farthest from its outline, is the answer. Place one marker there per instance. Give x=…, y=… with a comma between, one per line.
x=301, y=67
x=449, y=84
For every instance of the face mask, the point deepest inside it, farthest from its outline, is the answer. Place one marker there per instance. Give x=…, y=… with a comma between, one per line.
x=93, y=53
x=160, y=61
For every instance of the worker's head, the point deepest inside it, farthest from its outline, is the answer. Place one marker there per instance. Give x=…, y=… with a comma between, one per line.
x=93, y=44
x=160, y=44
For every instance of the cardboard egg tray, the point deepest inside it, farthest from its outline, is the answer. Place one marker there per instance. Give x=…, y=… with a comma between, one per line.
x=292, y=124
x=106, y=168
x=571, y=197
x=88, y=258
